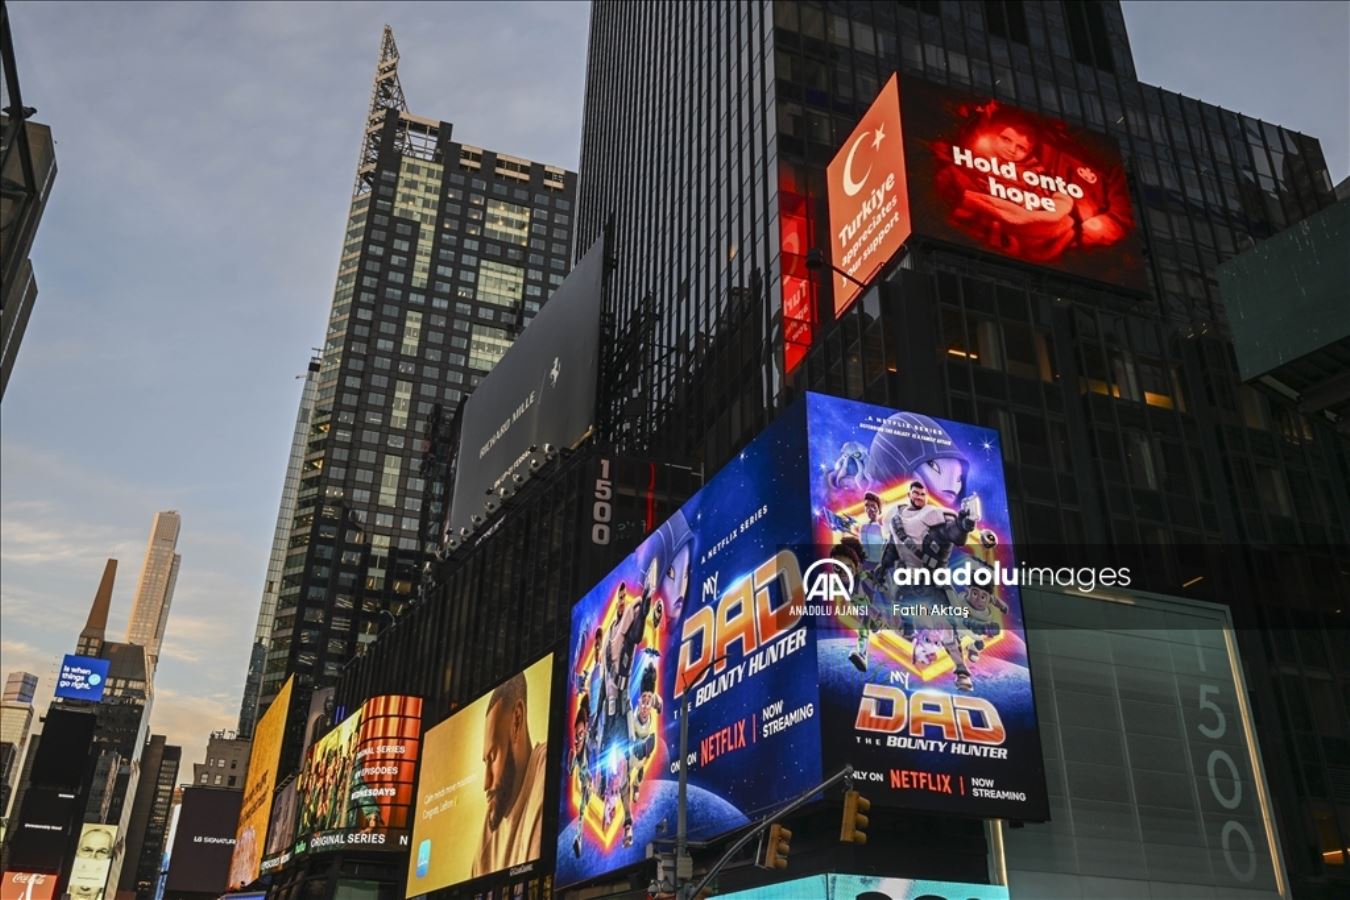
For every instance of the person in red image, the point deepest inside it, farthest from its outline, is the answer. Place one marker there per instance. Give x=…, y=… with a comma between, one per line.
x=1064, y=202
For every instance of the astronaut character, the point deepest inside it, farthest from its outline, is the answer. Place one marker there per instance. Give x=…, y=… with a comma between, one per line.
x=578, y=766
x=619, y=656
x=642, y=727
x=850, y=469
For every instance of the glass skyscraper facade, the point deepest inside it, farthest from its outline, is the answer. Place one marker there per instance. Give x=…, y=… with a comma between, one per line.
x=450, y=249
x=1125, y=425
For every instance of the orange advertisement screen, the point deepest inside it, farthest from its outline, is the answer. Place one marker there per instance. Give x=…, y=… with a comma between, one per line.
x=869, y=196
x=27, y=886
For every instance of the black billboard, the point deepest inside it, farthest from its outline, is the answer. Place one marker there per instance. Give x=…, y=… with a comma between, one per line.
x=542, y=391
x=204, y=842
x=44, y=830
x=62, y=757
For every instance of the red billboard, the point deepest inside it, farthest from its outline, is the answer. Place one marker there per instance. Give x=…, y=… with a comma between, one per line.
x=980, y=173
x=869, y=202
x=1001, y=179
x=27, y=886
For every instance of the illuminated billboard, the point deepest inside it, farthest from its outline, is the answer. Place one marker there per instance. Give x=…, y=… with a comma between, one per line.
x=256, y=807
x=82, y=678
x=924, y=688
x=281, y=830
x=870, y=887
x=998, y=178
x=203, y=840
x=27, y=886
x=480, y=794
x=868, y=196
x=729, y=601
x=978, y=172
x=356, y=788
x=93, y=860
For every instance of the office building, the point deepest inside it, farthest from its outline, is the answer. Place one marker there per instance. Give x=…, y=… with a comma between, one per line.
x=450, y=250
x=1128, y=435
x=28, y=164
x=276, y=560
x=154, y=589
x=1124, y=420
x=226, y=762
x=16, y=719
x=149, y=821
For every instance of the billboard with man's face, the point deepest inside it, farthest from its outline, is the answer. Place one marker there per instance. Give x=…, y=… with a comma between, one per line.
x=93, y=859
x=480, y=794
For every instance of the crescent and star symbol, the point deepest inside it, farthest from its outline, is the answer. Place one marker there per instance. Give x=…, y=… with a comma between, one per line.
x=852, y=187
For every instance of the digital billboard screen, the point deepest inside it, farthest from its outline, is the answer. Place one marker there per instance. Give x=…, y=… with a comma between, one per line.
x=708, y=603
x=925, y=688
x=732, y=602
x=356, y=788
x=542, y=391
x=480, y=794
x=998, y=178
x=870, y=887
x=93, y=860
x=255, y=810
x=981, y=173
x=281, y=830
x=82, y=678
x=27, y=886
x=41, y=836
x=204, y=840
x=868, y=196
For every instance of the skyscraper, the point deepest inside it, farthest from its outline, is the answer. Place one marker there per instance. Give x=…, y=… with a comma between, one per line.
x=154, y=590
x=91, y=638
x=149, y=822
x=276, y=560
x=16, y=719
x=1123, y=418
x=28, y=163
x=450, y=249
x=1124, y=424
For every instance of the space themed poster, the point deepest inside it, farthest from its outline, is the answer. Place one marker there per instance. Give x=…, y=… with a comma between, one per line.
x=924, y=677
x=710, y=603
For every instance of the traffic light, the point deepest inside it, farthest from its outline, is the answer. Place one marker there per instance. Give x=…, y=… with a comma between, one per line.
x=775, y=848
x=854, y=828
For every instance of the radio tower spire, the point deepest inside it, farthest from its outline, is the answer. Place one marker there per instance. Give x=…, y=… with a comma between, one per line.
x=385, y=93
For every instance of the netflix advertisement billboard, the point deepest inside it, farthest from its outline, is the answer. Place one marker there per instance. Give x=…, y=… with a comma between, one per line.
x=983, y=174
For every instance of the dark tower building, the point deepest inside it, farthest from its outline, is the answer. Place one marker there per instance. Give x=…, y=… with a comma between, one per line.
x=28, y=165
x=450, y=250
x=708, y=130
x=149, y=822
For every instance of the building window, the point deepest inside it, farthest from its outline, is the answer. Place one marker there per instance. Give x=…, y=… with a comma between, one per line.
x=500, y=284
x=507, y=222
x=398, y=416
x=487, y=345
x=393, y=465
x=412, y=332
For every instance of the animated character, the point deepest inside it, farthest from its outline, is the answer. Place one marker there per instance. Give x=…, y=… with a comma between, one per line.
x=642, y=727
x=849, y=552
x=850, y=468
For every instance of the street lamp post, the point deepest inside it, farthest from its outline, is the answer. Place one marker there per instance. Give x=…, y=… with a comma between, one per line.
x=681, y=802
